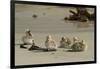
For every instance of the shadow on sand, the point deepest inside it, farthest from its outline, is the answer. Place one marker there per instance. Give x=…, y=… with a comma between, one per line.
x=42, y=50
x=73, y=50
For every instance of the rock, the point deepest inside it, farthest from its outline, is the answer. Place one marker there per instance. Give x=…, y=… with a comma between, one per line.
x=34, y=16
x=81, y=14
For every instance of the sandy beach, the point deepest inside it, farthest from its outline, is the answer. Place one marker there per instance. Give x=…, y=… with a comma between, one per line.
x=50, y=21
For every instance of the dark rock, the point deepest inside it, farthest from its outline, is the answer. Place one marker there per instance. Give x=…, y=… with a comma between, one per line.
x=34, y=16
x=22, y=46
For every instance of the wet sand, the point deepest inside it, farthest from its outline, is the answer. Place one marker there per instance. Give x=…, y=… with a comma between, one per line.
x=51, y=23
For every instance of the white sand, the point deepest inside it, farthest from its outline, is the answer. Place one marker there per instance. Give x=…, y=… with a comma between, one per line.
x=51, y=23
